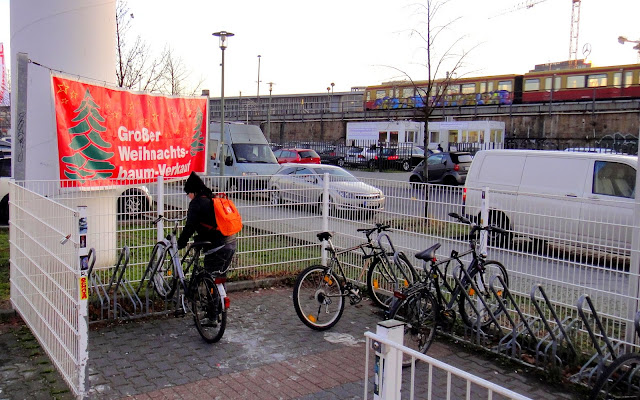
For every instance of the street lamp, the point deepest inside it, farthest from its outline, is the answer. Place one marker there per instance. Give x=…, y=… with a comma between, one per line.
x=329, y=98
x=258, y=94
x=623, y=40
x=269, y=113
x=223, y=35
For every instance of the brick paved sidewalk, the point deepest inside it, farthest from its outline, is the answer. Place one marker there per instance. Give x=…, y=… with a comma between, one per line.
x=266, y=353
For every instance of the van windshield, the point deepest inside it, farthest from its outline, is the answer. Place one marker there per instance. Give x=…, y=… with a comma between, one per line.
x=253, y=153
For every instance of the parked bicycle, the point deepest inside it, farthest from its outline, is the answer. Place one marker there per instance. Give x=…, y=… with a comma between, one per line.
x=320, y=291
x=202, y=294
x=429, y=303
x=621, y=379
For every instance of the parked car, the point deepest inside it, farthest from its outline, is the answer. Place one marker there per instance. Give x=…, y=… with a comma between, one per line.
x=332, y=155
x=404, y=157
x=361, y=157
x=303, y=183
x=304, y=156
x=449, y=168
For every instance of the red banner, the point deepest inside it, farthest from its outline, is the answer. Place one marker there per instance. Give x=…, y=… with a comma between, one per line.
x=106, y=134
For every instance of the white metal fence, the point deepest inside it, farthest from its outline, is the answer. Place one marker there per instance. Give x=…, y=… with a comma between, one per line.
x=281, y=222
x=434, y=380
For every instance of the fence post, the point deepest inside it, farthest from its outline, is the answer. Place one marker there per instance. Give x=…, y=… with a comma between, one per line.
x=388, y=364
x=484, y=219
x=325, y=214
x=83, y=300
x=634, y=268
x=160, y=205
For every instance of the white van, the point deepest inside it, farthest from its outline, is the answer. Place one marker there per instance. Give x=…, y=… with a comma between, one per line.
x=249, y=160
x=577, y=198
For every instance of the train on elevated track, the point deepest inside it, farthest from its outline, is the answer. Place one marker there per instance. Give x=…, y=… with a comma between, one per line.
x=547, y=82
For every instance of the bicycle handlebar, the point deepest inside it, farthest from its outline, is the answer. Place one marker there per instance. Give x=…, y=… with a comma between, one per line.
x=161, y=217
x=379, y=228
x=475, y=227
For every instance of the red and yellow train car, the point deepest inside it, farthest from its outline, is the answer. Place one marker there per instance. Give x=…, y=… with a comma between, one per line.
x=595, y=83
x=499, y=89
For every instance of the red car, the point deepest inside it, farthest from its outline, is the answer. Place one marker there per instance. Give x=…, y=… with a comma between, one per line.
x=305, y=156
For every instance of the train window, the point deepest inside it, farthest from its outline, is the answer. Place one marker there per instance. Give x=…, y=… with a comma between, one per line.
x=483, y=87
x=468, y=88
x=505, y=85
x=575, y=81
x=597, y=80
x=407, y=92
x=531, y=85
x=380, y=94
x=628, y=79
x=552, y=83
x=453, y=89
x=490, y=87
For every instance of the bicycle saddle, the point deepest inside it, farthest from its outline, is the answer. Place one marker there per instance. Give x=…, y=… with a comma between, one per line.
x=324, y=236
x=428, y=254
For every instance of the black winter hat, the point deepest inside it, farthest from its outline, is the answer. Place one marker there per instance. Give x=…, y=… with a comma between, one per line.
x=194, y=184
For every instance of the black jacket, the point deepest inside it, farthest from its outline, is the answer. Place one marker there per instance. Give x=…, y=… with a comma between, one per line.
x=201, y=220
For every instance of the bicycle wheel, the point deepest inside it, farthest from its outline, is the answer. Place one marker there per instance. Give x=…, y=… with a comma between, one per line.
x=482, y=281
x=162, y=273
x=384, y=278
x=317, y=298
x=419, y=312
x=621, y=379
x=209, y=314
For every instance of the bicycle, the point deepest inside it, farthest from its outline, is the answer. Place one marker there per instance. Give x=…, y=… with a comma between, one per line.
x=621, y=379
x=204, y=291
x=424, y=306
x=319, y=291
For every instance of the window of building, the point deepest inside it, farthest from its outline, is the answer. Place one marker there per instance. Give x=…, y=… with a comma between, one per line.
x=495, y=136
x=531, y=84
x=453, y=136
x=597, y=80
x=575, y=81
x=473, y=137
x=552, y=83
x=505, y=85
x=434, y=137
x=468, y=88
x=410, y=137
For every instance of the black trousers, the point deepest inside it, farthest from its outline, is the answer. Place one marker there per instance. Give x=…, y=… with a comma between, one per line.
x=218, y=260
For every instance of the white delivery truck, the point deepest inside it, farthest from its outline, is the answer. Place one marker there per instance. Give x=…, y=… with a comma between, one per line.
x=249, y=161
x=576, y=198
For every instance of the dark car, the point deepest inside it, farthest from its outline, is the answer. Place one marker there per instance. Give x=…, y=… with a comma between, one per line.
x=404, y=158
x=305, y=156
x=449, y=168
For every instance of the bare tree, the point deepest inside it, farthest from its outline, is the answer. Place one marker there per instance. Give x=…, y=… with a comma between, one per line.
x=137, y=69
x=175, y=74
x=448, y=62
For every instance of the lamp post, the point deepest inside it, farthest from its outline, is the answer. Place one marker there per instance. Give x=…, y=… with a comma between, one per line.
x=328, y=98
x=623, y=40
x=269, y=113
x=223, y=35
x=258, y=93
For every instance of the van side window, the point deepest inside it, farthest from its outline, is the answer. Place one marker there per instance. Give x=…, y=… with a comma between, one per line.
x=614, y=179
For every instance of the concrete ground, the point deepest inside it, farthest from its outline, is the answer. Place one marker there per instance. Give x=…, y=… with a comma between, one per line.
x=266, y=353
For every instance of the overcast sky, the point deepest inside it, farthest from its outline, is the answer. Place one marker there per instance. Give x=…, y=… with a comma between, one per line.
x=305, y=46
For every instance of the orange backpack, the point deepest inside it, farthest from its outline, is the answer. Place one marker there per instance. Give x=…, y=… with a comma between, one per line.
x=227, y=215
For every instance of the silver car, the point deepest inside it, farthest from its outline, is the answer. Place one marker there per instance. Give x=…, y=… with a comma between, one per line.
x=303, y=184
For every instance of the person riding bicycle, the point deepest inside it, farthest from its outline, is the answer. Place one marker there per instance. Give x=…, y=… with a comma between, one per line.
x=201, y=220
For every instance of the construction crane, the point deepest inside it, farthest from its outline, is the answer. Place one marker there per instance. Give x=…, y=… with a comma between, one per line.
x=575, y=23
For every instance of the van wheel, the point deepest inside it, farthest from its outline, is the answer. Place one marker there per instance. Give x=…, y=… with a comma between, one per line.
x=451, y=181
x=274, y=196
x=341, y=162
x=4, y=210
x=499, y=219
